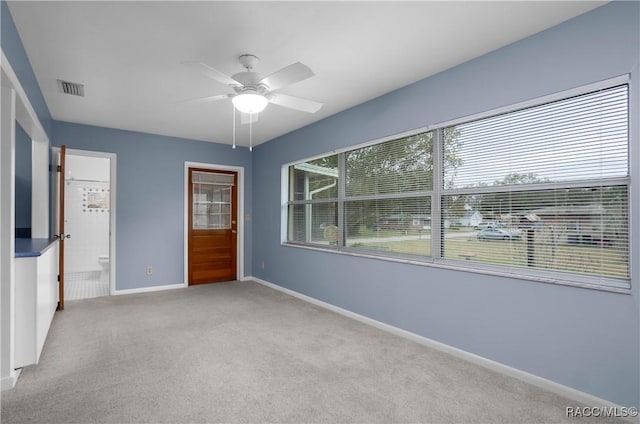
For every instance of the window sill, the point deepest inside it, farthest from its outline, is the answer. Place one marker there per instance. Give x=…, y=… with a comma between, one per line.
x=584, y=282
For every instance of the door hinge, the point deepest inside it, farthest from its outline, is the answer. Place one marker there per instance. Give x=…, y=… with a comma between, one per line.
x=58, y=277
x=58, y=168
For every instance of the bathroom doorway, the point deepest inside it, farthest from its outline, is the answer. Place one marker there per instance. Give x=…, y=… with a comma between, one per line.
x=88, y=223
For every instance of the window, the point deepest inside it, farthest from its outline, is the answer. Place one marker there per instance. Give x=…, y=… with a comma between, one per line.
x=553, y=179
x=541, y=191
x=387, y=201
x=313, y=201
x=211, y=200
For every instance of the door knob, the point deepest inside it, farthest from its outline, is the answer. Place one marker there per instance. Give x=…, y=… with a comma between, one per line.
x=234, y=232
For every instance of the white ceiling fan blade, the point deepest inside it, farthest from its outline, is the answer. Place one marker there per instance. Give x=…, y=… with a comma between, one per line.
x=246, y=118
x=288, y=75
x=211, y=72
x=208, y=98
x=297, y=103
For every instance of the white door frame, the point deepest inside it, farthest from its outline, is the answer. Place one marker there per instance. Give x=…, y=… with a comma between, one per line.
x=239, y=239
x=16, y=107
x=112, y=206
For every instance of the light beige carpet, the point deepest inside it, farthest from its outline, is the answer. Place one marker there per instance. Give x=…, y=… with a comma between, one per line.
x=240, y=352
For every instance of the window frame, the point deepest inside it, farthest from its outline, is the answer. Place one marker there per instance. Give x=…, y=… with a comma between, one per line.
x=435, y=259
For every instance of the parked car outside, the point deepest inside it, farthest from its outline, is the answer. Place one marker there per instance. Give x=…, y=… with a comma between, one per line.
x=490, y=224
x=498, y=234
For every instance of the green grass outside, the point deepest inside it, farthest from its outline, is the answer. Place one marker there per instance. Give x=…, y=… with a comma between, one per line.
x=593, y=260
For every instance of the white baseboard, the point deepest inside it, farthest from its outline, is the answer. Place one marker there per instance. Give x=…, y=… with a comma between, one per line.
x=9, y=382
x=543, y=383
x=150, y=289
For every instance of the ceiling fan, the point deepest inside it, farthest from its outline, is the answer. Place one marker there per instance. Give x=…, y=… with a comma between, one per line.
x=252, y=92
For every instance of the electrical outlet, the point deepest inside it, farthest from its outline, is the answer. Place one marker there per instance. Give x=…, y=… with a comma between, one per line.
x=149, y=270
x=262, y=264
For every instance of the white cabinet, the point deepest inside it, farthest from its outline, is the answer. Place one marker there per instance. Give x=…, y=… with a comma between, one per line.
x=36, y=303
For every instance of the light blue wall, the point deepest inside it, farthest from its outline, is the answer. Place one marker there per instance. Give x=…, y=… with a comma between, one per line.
x=23, y=178
x=149, y=216
x=150, y=197
x=15, y=53
x=585, y=339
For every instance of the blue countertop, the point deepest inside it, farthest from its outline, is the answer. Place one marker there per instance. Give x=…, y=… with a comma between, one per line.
x=33, y=247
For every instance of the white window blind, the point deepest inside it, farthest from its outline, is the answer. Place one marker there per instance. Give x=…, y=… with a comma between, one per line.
x=313, y=195
x=541, y=191
x=547, y=187
x=394, y=226
x=403, y=165
x=581, y=138
x=212, y=178
x=387, y=205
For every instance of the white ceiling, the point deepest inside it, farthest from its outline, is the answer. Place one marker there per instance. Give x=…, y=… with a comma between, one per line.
x=128, y=54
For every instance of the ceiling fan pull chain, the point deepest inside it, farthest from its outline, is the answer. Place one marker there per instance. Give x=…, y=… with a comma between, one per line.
x=251, y=132
x=234, y=126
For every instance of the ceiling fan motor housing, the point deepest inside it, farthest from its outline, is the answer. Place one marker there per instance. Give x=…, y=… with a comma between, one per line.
x=249, y=80
x=249, y=61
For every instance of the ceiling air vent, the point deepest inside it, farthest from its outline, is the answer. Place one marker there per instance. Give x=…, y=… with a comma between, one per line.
x=72, y=88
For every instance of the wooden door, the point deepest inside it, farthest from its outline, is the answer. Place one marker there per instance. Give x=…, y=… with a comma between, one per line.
x=213, y=226
x=60, y=234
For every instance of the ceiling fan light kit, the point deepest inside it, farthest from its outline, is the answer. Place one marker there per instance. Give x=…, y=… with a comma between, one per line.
x=252, y=92
x=250, y=102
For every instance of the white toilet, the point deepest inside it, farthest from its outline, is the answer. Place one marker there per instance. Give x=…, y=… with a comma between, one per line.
x=104, y=262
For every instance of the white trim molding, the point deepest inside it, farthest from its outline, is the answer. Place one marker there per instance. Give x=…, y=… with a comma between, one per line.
x=25, y=114
x=149, y=289
x=542, y=383
x=9, y=381
x=7, y=230
x=16, y=107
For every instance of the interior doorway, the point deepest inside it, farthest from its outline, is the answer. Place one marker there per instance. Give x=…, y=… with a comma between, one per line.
x=89, y=217
x=242, y=217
